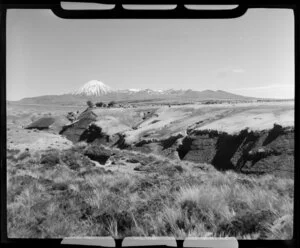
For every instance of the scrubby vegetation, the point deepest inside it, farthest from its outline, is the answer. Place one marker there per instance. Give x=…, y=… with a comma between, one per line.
x=99, y=104
x=56, y=193
x=90, y=104
x=104, y=105
x=111, y=104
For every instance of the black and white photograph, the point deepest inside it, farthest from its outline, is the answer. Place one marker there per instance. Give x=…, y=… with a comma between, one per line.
x=150, y=127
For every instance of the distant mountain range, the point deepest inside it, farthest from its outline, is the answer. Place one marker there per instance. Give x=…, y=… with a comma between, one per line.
x=97, y=91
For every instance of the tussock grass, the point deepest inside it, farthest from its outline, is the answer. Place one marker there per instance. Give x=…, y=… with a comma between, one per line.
x=71, y=197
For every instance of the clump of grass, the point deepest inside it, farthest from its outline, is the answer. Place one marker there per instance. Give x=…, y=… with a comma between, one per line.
x=176, y=222
x=244, y=223
x=206, y=204
x=281, y=228
x=112, y=229
x=119, y=225
x=11, y=153
x=222, y=179
x=23, y=155
x=50, y=158
x=15, y=156
x=75, y=160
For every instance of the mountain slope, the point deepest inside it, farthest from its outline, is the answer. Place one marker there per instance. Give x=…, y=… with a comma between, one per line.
x=93, y=88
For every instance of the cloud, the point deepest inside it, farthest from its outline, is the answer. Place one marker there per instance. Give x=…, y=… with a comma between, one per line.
x=228, y=71
x=267, y=91
x=271, y=86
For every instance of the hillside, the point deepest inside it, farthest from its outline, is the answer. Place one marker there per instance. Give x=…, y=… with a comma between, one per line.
x=129, y=96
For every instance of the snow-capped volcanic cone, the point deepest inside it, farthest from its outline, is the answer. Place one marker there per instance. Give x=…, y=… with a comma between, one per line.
x=93, y=88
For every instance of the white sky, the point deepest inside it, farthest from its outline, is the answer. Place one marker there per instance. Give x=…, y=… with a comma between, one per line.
x=252, y=55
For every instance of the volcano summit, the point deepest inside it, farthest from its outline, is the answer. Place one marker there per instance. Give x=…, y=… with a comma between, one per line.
x=93, y=88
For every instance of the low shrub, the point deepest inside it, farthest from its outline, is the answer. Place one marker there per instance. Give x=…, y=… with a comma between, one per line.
x=12, y=152
x=75, y=160
x=90, y=104
x=111, y=104
x=246, y=222
x=99, y=104
x=50, y=158
x=23, y=155
x=281, y=228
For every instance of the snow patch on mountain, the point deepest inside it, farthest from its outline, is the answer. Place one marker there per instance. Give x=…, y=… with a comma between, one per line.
x=93, y=88
x=134, y=90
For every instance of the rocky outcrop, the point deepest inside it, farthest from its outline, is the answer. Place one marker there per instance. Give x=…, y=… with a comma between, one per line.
x=248, y=151
x=98, y=153
x=165, y=147
x=251, y=152
x=86, y=128
x=42, y=123
x=76, y=131
x=94, y=133
x=72, y=116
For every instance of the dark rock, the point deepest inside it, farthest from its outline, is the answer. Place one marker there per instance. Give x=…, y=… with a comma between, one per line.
x=75, y=130
x=178, y=168
x=244, y=152
x=42, y=123
x=91, y=133
x=132, y=160
x=198, y=148
x=168, y=143
x=72, y=116
x=98, y=153
x=60, y=186
x=273, y=134
x=138, y=168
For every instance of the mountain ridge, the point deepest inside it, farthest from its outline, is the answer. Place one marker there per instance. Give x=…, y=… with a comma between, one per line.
x=97, y=91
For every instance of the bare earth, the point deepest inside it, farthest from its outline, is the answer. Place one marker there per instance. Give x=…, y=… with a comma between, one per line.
x=166, y=121
x=161, y=123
